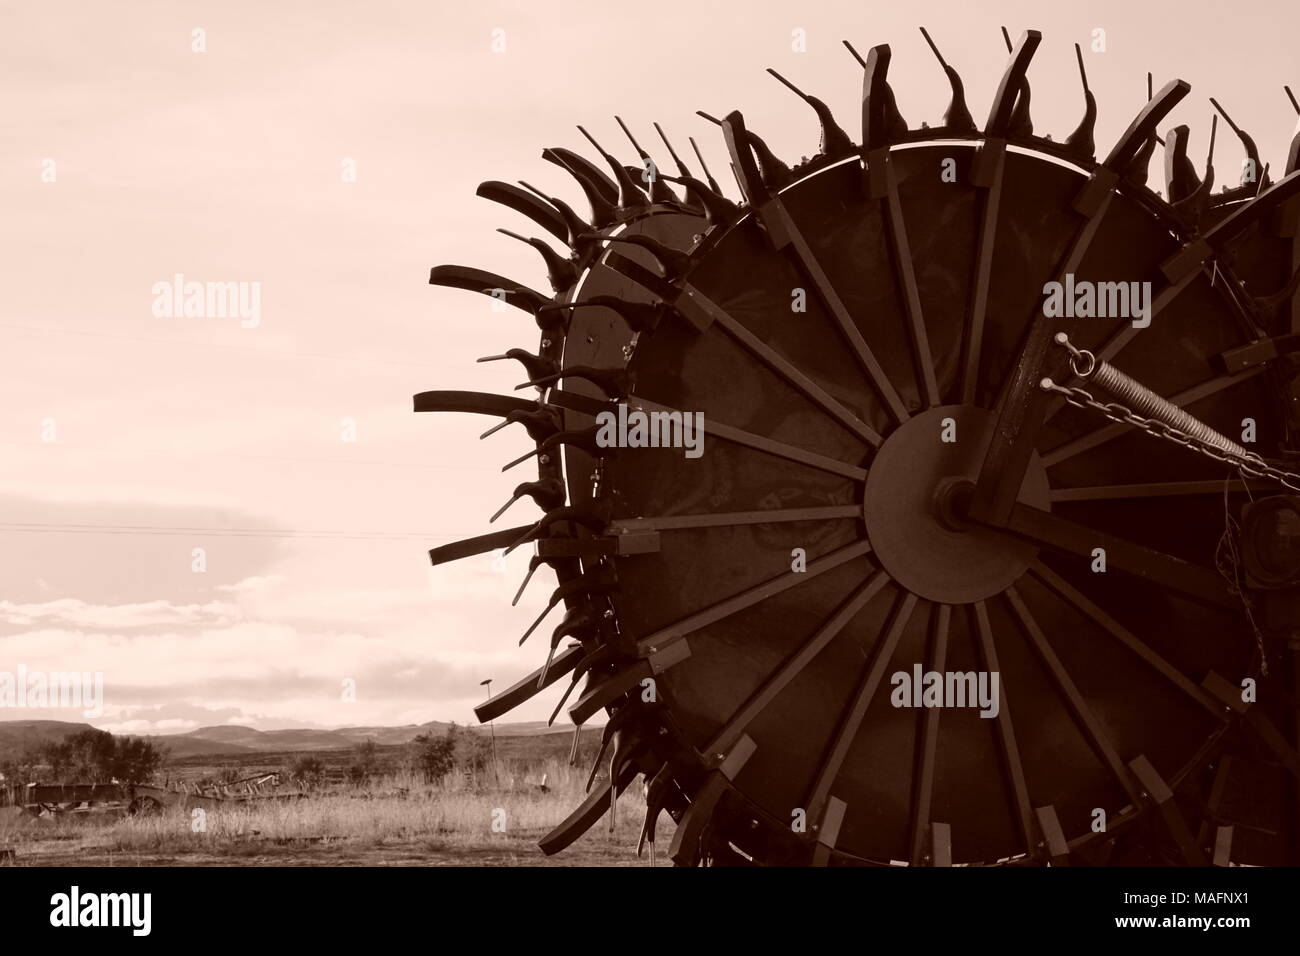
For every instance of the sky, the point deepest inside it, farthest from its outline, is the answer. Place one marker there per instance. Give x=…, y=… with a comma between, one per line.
x=229, y=516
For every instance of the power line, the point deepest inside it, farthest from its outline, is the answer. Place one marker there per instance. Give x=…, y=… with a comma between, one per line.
x=70, y=528
x=173, y=453
x=284, y=353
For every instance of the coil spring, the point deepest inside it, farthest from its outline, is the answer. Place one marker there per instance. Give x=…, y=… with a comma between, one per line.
x=1143, y=400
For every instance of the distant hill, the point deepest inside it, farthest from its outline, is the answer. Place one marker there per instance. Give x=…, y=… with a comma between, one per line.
x=16, y=735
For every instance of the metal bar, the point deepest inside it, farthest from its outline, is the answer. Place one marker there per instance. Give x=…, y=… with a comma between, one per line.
x=1215, y=797
x=828, y=831
x=762, y=443
x=983, y=268
x=609, y=689
x=1083, y=715
x=848, y=728
x=585, y=816
x=1125, y=637
x=1023, y=405
x=940, y=844
x=1155, y=489
x=923, y=792
x=526, y=688
x=1198, y=583
x=1057, y=850
x=893, y=209
x=1223, y=846
x=783, y=231
x=783, y=367
x=590, y=406
x=666, y=636
x=1158, y=793
x=734, y=518
x=1106, y=433
x=1011, y=762
x=685, y=846
x=792, y=668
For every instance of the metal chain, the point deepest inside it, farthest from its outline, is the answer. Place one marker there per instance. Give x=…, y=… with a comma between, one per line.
x=1251, y=465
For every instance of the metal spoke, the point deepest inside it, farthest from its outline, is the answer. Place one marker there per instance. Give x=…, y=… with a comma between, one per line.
x=589, y=406
x=923, y=792
x=808, y=261
x=1125, y=637
x=1154, y=489
x=893, y=210
x=761, y=698
x=980, y=292
x=747, y=598
x=783, y=367
x=1011, y=762
x=848, y=729
x=1082, y=713
x=734, y=518
x=1192, y=580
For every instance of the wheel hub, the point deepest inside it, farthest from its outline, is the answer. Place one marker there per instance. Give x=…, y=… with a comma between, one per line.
x=912, y=508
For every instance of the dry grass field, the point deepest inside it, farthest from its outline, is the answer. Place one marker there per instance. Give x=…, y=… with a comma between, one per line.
x=395, y=821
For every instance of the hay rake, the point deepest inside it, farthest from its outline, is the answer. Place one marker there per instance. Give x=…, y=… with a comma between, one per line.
x=888, y=486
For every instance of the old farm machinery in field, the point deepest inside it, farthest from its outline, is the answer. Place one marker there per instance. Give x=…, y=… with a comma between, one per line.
x=914, y=463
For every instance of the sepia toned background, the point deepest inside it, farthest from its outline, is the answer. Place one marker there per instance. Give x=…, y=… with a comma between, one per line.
x=182, y=433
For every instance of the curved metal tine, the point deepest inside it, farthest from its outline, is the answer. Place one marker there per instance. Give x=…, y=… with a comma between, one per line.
x=585, y=168
x=1082, y=138
x=1149, y=97
x=708, y=176
x=658, y=191
x=772, y=172
x=540, y=212
x=833, y=139
x=1252, y=151
x=535, y=562
x=560, y=272
x=682, y=169
x=1012, y=88
x=502, y=510
x=630, y=196
x=957, y=117
x=563, y=699
x=1019, y=121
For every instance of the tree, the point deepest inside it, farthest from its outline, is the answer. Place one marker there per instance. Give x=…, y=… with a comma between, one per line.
x=434, y=757
x=472, y=751
x=96, y=756
x=307, y=771
x=365, y=761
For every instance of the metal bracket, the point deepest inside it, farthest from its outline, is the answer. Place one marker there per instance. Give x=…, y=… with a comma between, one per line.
x=1058, y=850
x=1158, y=793
x=828, y=830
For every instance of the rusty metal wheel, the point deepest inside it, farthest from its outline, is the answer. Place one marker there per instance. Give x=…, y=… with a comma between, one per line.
x=886, y=490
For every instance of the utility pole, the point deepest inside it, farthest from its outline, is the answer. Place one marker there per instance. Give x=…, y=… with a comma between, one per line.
x=496, y=774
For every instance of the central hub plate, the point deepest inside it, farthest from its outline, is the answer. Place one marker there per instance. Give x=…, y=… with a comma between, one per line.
x=901, y=509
